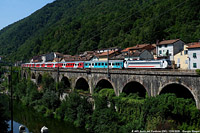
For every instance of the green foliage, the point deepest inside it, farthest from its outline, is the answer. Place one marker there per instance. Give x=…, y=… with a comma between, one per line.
x=45, y=101
x=198, y=71
x=75, y=26
x=104, y=120
x=72, y=104
x=60, y=111
x=50, y=99
x=48, y=83
x=74, y=109
x=3, y=114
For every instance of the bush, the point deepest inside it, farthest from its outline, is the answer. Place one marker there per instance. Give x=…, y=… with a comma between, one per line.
x=198, y=71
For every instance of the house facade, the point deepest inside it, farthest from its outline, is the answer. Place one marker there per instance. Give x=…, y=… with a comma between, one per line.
x=194, y=56
x=140, y=55
x=111, y=54
x=140, y=51
x=168, y=48
x=181, y=59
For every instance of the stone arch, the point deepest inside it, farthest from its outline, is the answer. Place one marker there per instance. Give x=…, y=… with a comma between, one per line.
x=24, y=75
x=81, y=83
x=135, y=87
x=33, y=76
x=104, y=83
x=39, y=79
x=179, y=89
x=66, y=82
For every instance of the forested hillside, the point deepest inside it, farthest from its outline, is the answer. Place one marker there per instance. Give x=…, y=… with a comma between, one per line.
x=74, y=26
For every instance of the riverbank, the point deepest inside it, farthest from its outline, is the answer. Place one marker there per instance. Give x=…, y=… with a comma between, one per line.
x=34, y=121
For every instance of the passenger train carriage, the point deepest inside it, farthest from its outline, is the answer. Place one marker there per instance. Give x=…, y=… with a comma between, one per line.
x=147, y=64
x=76, y=64
x=104, y=64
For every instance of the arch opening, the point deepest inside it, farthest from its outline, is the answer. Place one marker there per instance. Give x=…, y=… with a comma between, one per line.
x=102, y=84
x=33, y=76
x=25, y=75
x=39, y=80
x=65, y=82
x=82, y=84
x=179, y=90
x=134, y=87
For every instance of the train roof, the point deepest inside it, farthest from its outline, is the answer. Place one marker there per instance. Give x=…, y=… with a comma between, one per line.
x=104, y=61
x=146, y=60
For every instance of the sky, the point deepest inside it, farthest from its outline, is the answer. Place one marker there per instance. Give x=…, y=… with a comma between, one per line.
x=14, y=10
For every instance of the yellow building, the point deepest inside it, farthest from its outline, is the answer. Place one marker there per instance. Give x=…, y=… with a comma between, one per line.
x=181, y=58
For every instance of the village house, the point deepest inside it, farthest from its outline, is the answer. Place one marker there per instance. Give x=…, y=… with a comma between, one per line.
x=168, y=48
x=51, y=57
x=194, y=55
x=139, y=52
x=99, y=51
x=111, y=55
x=181, y=59
x=36, y=59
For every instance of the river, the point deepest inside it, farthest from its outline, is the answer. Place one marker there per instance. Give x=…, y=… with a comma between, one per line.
x=35, y=121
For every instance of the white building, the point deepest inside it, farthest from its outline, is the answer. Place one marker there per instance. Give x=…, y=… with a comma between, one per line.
x=194, y=56
x=168, y=48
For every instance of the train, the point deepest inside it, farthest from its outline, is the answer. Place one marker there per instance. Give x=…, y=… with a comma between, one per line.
x=113, y=64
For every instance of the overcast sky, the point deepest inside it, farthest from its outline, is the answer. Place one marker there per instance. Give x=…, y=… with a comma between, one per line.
x=14, y=10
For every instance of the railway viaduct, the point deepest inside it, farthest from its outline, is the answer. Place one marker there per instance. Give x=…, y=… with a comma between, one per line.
x=184, y=84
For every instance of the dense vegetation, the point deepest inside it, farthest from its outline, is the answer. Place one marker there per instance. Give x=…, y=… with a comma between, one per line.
x=4, y=105
x=73, y=26
x=112, y=113
x=4, y=113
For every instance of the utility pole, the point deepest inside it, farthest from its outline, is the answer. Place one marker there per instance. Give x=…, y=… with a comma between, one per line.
x=58, y=73
x=108, y=73
x=11, y=96
x=11, y=99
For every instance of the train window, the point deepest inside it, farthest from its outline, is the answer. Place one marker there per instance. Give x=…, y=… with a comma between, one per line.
x=92, y=64
x=95, y=64
x=106, y=64
x=109, y=64
x=99, y=64
x=102, y=64
x=89, y=64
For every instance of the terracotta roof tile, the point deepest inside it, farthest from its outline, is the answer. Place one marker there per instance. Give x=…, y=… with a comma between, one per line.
x=126, y=49
x=194, y=45
x=105, y=53
x=138, y=46
x=168, y=41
